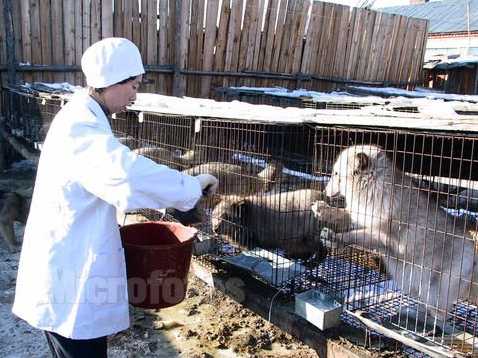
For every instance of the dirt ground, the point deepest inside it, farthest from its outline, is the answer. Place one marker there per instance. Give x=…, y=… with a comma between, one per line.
x=205, y=324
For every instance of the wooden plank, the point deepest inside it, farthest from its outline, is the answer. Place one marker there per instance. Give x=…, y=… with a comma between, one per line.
x=279, y=34
x=398, y=49
x=152, y=53
x=246, y=28
x=323, y=40
x=195, y=49
x=209, y=42
x=69, y=28
x=36, y=37
x=106, y=18
x=345, y=29
x=78, y=41
x=95, y=21
x=233, y=36
x=221, y=42
x=312, y=37
x=128, y=14
x=233, y=39
x=334, y=38
x=163, y=43
x=388, y=58
x=144, y=29
x=388, y=27
x=286, y=51
x=355, y=25
x=260, y=38
x=405, y=60
x=17, y=28
x=265, y=56
x=135, y=22
x=172, y=31
x=182, y=31
x=365, y=59
x=337, y=41
x=370, y=69
x=86, y=28
x=118, y=18
x=297, y=40
x=253, y=39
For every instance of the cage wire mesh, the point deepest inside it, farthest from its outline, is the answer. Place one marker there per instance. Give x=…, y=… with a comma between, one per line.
x=29, y=115
x=410, y=210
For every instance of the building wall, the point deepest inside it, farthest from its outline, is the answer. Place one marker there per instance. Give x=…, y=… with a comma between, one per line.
x=452, y=45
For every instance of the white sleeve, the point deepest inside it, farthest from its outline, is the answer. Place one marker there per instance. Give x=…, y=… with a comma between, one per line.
x=112, y=172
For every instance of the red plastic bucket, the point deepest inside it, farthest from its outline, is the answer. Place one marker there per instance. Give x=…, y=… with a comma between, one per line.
x=158, y=255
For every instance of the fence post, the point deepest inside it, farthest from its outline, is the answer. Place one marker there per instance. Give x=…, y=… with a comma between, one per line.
x=182, y=30
x=10, y=41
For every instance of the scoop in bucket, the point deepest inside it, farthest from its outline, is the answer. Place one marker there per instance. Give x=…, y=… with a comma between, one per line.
x=158, y=255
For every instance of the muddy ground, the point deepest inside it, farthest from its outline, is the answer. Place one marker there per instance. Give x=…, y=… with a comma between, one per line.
x=205, y=324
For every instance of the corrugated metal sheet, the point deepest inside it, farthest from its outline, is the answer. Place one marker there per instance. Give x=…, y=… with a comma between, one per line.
x=444, y=16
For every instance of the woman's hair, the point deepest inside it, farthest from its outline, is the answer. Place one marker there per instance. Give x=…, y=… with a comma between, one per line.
x=99, y=90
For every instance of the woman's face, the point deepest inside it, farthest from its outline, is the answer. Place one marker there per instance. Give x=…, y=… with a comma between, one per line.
x=118, y=96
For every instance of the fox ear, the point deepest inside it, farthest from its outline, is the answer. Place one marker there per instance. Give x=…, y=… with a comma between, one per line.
x=362, y=163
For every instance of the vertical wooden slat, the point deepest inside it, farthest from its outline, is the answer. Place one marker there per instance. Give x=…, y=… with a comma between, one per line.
x=299, y=40
x=107, y=18
x=311, y=43
x=397, y=48
x=286, y=49
x=319, y=63
x=246, y=28
x=209, y=42
x=354, y=37
x=389, y=27
x=195, y=44
x=252, y=37
x=265, y=57
x=152, y=53
x=233, y=39
x=86, y=24
x=36, y=37
x=182, y=32
x=339, y=68
x=95, y=21
x=172, y=31
x=279, y=33
x=118, y=18
x=364, y=52
x=17, y=28
x=57, y=40
x=163, y=43
x=135, y=22
x=259, y=40
x=78, y=41
x=128, y=14
x=221, y=41
x=144, y=29
x=69, y=27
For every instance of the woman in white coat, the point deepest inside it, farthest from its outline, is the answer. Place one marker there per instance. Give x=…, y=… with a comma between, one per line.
x=71, y=278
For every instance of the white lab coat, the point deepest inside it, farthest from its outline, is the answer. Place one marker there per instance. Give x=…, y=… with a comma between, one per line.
x=71, y=277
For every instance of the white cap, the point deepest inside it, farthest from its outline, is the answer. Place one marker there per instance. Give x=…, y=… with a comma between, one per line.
x=110, y=61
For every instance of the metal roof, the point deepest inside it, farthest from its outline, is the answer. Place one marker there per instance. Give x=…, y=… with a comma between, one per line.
x=443, y=16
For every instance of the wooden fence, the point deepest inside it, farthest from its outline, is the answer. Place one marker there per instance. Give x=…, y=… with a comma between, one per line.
x=193, y=46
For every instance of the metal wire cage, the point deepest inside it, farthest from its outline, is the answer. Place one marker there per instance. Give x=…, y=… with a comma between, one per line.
x=403, y=244
x=29, y=115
